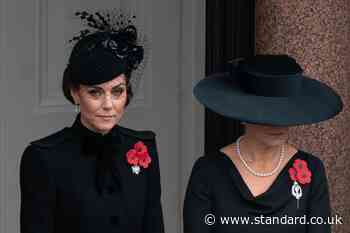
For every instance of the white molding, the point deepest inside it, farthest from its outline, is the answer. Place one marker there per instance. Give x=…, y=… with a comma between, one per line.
x=3, y=144
x=2, y=180
x=2, y=41
x=192, y=70
x=43, y=102
x=3, y=173
x=47, y=102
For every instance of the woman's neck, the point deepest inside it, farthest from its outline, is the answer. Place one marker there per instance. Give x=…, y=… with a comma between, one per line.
x=257, y=151
x=89, y=127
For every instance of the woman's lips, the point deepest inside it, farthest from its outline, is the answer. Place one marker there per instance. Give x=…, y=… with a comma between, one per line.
x=106, y=117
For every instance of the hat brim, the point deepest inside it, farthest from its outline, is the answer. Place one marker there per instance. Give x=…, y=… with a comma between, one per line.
x=315, y=103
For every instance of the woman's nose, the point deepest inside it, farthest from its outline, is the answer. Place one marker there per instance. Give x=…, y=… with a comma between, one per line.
x=107, y=102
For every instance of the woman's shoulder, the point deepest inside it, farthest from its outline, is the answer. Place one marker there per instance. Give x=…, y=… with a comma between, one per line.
x=42, y=148
x=52, y=140
x=206, y=171
x=208, y=163
x=137, y=134
x=316, y=166
x=314, y=162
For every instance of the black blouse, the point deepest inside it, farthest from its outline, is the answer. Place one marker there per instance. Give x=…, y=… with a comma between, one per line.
x=80, y=181
x=217, y=190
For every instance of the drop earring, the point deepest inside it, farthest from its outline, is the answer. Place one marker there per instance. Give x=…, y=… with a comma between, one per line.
x=77, y=108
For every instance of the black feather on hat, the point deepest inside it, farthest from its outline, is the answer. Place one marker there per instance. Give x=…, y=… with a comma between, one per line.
x=110, y=48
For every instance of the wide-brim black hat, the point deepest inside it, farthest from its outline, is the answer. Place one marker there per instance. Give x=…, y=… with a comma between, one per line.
x=269, y=90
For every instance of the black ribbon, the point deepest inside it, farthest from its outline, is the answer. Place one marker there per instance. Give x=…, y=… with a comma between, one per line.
x=271, y=85
x=104, y=149
x=268, y=85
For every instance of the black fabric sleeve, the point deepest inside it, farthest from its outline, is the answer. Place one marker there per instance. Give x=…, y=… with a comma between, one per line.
x=37, y=193
x=197, y=203
x=154, y=216
x=319, y=206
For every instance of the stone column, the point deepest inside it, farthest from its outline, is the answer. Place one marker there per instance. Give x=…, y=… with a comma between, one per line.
x=317, y=34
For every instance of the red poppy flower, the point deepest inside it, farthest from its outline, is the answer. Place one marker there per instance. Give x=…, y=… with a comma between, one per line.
x=140, y=146
x=132, y=157
x=300, y=165
x=144, y=159
x=300, y=172
x=304, y=177
x=139, y=156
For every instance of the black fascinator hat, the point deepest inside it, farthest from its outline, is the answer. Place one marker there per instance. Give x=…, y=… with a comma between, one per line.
x=110, y=47
x=270, y=90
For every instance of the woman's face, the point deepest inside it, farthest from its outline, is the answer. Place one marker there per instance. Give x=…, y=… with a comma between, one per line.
x=267, y=134
x=102, y=106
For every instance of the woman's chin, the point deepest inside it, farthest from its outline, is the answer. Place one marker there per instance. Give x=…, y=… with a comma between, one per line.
x=273, y=140
x=104, y=127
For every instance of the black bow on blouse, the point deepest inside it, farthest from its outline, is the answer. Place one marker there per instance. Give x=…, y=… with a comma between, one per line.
x=104, y=148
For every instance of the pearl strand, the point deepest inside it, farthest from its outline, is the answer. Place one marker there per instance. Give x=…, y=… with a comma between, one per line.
x=255, y=173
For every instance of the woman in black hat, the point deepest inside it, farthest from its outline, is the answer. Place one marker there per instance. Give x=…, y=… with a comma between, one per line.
x=95, y=176
x=260, y=183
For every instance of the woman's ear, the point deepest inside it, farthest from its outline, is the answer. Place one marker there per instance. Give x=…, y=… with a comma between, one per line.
x=75, y=95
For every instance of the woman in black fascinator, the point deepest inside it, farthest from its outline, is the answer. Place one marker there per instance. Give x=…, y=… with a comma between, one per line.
x=95, y=176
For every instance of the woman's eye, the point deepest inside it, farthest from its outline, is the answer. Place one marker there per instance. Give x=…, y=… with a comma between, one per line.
x=118, y=91
x=95, y=93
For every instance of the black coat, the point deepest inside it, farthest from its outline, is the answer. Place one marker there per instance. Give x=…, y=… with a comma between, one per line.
x=79, y=181
x=219, y=201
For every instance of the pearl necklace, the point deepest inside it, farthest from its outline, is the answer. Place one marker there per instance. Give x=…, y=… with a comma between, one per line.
x=255, y=173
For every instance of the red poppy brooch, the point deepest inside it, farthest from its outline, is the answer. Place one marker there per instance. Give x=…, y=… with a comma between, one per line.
x=301, y=175
x=138, y=157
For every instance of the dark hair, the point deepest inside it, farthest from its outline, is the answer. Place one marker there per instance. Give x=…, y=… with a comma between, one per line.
x=69, y=83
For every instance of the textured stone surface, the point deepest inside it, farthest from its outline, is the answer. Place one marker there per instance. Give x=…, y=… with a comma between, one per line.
x=317, y=34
